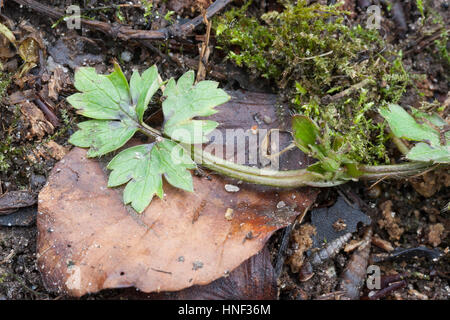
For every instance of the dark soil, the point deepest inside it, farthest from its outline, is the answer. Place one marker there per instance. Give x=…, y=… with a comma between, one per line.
x=417, y=210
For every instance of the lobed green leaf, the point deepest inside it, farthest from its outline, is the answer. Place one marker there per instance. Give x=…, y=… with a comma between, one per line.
x=117, y=108
x=184, y=101
x=102, y=136
x=425, y=152
x=431, y=147
x=142, y=168
x=403, y=125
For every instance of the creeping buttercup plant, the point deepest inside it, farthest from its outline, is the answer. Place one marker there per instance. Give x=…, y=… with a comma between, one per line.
x=117, y=108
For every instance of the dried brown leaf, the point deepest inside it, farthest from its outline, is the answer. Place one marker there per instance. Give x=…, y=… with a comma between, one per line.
x=89, y=241
x=38, y=124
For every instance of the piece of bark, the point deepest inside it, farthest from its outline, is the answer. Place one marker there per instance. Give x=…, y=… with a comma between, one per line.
x=39, y=126
x=13, y=200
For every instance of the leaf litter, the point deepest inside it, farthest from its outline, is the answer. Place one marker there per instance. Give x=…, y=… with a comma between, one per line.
x=401, y=206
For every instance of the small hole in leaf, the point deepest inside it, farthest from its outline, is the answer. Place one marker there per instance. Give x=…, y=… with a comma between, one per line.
x=122, y=273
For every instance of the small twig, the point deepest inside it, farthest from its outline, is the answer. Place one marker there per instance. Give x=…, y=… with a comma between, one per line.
x=282, y=250
x=8, y=257
x=318, y=56
x=204, y=53
x=194, y=23
x=426, y=171
x=47, y=111
x=378, y=181
x=113, y=6
x=423, y=42
x=386, y=291
x=126, y=33
x=161, y=271
x=328, y=99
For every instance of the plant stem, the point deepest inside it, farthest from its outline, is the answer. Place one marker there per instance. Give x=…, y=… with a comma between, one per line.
x=289, y=178
x=400, y=145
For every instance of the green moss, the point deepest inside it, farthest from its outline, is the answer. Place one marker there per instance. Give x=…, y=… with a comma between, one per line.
x=4, y=84
x=5, y=80
x=441, y=45
x=312, y=54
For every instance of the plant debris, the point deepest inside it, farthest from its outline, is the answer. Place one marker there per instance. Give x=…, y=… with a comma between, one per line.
x=325, y=219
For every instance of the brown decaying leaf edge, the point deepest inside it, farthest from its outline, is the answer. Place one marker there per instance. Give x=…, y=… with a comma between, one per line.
x=254, y=279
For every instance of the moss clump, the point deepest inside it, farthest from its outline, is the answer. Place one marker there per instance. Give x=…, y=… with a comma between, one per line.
x=314, y=56
x=5, y=80
x=4, y=84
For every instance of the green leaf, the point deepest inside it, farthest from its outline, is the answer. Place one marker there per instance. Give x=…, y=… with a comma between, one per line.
x=425, y=152
x=8, y=34
x=305, y=132
x=143, y=88
x=117, y=107
x=403, y=125
x=143, y=178
x=100, y=98
x=173, y=162
x=433, y=118
x=300, y=89
x=142, y=167
x=103, y=136
x=184, y=101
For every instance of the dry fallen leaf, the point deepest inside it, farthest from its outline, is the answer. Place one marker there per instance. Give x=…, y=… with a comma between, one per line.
x=88, y=240
x=13, y=200
x=55, y=150
x=39, y=126
x=252, y=280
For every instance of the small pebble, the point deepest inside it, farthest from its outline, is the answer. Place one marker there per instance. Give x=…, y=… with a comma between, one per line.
x=126, y=56
x=229, y=214
x=267, y=120
x=231, y=188
x=281, y=204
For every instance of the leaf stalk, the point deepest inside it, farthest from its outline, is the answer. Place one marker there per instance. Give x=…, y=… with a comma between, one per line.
x=288, y=178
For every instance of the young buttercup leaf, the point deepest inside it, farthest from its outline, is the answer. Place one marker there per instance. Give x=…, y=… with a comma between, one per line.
x=142, y=167
x=143, y=88
x=305, y=132
x=433, y=146
x=184, y=101
x=103, y=136
x=425, y=152
x=116, y=107
x=403, y=125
